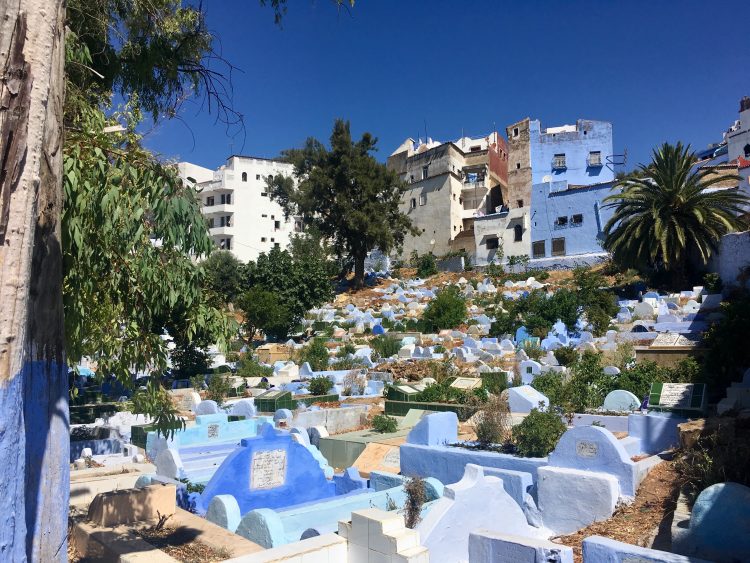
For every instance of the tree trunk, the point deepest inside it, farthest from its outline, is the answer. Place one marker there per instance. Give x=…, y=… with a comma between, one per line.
x=34, y=438
x=359, y=270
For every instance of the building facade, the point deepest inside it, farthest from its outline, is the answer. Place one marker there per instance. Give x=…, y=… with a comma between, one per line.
x=241, y=216
x=451, y=184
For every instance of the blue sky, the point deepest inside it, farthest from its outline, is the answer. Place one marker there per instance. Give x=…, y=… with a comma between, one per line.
x=657, y=70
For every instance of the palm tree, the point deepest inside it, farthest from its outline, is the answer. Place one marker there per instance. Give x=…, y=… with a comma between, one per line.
x=667, y=210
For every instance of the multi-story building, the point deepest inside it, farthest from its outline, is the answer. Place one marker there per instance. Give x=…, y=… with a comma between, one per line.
x=540, y=162
x=241, y=216
x=451, y=184
x=738, y=143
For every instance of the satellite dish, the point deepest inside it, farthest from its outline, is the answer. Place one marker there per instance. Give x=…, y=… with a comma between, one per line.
x=547, y=178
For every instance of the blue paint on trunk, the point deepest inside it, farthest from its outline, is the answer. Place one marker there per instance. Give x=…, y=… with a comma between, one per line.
x=47, y=475
x=12, y=466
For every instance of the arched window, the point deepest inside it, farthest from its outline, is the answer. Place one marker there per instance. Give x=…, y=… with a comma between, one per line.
x=244, y=176
x=517, y=233
x=747, y=150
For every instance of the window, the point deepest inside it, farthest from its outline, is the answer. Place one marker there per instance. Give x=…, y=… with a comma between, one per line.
x=517, y=233
x=276, y=225
x=225, y=221
x=270, y=177
x=262, y=239
x=538, y=250
x=493, y=243
x=515, y=131
x=411, y=178
x=229, y=244
x=746, y=150
x=561, y=222
x=425, y=172
x=209, y=201
x=576, y=220
x=413, y=203
x=519, y=202
x=263, y=194
x=558, y=163
x=277, y=245
x=518, y=165
x=272, y=239
x=595, y=159
x=422, y=199
x=244, y=176
x=558, y=247
x=226, y=199
x=264, y=215
x=257, y=176
x=273, y=217
x=211, y=223
x=475, y=148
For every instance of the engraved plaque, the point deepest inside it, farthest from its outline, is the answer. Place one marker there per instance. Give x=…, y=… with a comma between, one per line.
x=213, y=430
x=268, y=469
x=587, y=449
x=393, y=458
x=676, y=395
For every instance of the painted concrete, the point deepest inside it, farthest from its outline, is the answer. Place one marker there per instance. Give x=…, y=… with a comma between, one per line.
x=597, y=549
x=486, y=546
x=657, y=432
x=447, y=463
x=435, y=429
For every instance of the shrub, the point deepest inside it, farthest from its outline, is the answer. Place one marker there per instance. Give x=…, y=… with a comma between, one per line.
x=538, y=433
x=495, y=382
x=494, y=270
x=319, y=385
x=384, y=346
x=426, y=266
x=588, y=385
x=712, y=282
x=551, y=385
x=533, y=351
x=566, y=355
x=316, y=354
x=218, y=388
x=638, y=378
x=197, y=382
x=447, y=310
x=248, y=367
x=354, y=383
x=384, y=424
x=494, y=422
x=416, y=496
x=728, y=353
x=348, y=363
x=345, y=350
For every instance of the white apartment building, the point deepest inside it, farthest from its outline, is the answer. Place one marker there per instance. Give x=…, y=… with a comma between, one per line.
x=241, y=216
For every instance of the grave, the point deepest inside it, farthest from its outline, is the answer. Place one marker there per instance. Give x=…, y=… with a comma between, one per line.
x=683, y=399
x=598, y=548
x=620, y=400
x=185, y=400
x=473, y=502
x=525, y=398
x=268, y=471
x=486, y=546
x=529, y=370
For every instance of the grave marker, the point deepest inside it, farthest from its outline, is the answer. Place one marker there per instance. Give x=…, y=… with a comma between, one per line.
x=268, y=469
x=679, y=398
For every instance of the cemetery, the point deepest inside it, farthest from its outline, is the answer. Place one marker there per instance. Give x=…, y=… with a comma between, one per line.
x=384, y=437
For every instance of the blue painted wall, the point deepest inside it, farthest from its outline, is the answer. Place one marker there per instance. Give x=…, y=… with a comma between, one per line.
x=589, y=136
x=552, y=200
x=304, y=480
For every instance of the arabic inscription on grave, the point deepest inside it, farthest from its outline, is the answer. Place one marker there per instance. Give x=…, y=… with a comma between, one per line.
x=676, y=395
x=586, y=449
x=213, y=430
x=268, y=469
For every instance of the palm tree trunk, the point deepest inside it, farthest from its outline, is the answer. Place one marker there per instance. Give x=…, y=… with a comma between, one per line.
x=34, y=442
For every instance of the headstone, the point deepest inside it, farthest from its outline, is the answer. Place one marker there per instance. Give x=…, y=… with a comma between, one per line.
x=525, y=398
x=133, y=505
x=720, y=523
x=244, y=407
x=270, y=471
x=681, y=398
x=435, y=429
x=224, y=511
x=611, y=370
x=207, y=407
x=282, y=416
x=529, y=370
x=643, y=310
x=620, y=400
x=316, y=433
x=185, y=400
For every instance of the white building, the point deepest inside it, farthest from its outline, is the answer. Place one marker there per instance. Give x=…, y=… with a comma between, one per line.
x=241, y=216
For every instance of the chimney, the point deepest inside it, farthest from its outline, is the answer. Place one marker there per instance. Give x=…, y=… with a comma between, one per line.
x=745, y=104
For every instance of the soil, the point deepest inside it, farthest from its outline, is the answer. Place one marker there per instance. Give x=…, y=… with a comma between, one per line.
x=181, y=544
x=639, y=522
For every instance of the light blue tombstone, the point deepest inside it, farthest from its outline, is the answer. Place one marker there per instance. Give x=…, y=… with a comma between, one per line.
x=720, y=522
x=521, y=334
x=282, y=414
x=378, y=329
x=244, y=407
x=207, y=407
x=435, y=429
x=224, y=511
x=621, y=400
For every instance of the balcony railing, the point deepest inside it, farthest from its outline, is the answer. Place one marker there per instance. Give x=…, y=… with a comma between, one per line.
x=474, y=185
x=559, y=164
x=594, y=161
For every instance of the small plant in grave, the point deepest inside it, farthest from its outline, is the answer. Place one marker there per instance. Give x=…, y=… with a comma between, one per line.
x=197, y=382
x=384, y=346
x=319, y=385
x=384, y=424
x=447, y=310
x=354, y=383
x=316, y=354
x=218, y=388
x=538, y=433
x=416, y=496
x=494, y=422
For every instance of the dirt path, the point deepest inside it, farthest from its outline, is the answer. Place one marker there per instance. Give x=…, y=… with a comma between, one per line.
x=638, y=522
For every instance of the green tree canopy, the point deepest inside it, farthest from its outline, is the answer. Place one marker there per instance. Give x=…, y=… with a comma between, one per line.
x=264, y=312
x=223, y=275
x=667, y=211
x=348, y=196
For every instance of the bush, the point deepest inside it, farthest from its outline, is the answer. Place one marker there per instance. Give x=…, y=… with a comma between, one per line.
x=384, y=346
x=354, y=383
x=494, y=422
x=197, y=382
x=551, y=385
x=218, y=388
x=728, y=353
x=566, y=355
x=345, y=350
x=588, y=385
x=384, y=424
x=447, y=310
x=538, y=433
x=495, y=382
x=426, y=266
x=316, y=354
x=712, y=282
x=416, y=496
x=533, y=351
x=319, y=385
x=247, y=367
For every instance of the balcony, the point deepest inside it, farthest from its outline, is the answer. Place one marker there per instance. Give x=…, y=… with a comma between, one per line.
x=221, y=231
x=594, y=160
x=558, y=163
x=218, y=208
x=478, y=184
